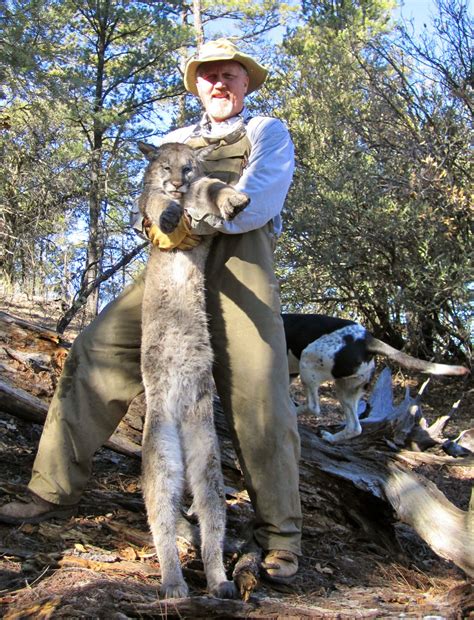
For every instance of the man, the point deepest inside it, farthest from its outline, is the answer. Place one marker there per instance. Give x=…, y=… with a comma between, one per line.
x=102, y=373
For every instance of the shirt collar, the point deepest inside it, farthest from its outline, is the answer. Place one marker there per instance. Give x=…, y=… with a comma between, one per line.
x=234, y=124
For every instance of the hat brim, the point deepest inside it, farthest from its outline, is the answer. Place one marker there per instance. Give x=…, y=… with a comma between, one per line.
x=256, y=72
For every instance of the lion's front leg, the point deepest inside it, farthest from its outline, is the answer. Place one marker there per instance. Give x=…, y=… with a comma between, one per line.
x=170, y=217
x=161, y=210
x=228, y=201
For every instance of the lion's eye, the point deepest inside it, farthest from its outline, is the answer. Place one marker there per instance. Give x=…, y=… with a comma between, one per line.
x=187, y=169
x=167, y=168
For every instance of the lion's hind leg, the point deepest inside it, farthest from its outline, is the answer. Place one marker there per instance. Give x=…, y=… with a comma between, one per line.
x=163, y=483
x=205, y=480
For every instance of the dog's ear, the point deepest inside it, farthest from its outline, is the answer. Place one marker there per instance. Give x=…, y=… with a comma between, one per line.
x=149, y=150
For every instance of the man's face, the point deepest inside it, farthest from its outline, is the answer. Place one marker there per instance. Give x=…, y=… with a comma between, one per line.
x=222, y=86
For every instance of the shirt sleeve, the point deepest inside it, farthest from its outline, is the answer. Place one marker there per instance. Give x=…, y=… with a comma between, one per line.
x=267, y=177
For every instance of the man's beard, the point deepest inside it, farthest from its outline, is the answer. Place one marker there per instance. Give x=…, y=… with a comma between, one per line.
x=220, y=108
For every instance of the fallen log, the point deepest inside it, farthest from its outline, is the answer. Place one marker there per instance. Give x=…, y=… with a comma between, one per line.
x=20, y=404
x=418, y=502
x=376, y=464
x=18, y=330
x=95, y=595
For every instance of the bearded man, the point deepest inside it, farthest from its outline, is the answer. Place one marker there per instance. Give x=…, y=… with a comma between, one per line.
x=102, y=373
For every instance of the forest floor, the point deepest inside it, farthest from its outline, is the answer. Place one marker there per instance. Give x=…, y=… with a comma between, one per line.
x=101, y=563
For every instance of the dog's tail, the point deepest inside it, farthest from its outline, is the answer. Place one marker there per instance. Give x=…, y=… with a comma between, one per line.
x=412, y=363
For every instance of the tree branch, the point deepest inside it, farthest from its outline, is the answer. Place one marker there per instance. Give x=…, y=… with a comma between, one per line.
x=87, y=288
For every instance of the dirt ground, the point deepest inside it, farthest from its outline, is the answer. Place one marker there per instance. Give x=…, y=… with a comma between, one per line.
x=101, y=563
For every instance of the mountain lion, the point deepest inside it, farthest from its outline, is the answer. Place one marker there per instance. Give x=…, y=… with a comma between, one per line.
x=179, y=439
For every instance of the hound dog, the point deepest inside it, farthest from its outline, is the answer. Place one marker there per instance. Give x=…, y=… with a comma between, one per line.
x=325, y=348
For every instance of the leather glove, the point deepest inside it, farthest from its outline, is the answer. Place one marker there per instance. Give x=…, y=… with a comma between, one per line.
x=182, y=236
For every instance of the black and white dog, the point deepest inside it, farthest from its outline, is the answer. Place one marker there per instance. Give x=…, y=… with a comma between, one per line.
x=324, y=348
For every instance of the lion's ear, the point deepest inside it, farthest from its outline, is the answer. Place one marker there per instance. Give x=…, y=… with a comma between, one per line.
x=203, y=152
x=149, y=150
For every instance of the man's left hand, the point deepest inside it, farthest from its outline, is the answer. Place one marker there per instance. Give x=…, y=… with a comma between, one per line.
x=182, y=237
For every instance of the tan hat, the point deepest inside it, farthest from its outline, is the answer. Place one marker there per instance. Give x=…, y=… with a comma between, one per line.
x=223, y=49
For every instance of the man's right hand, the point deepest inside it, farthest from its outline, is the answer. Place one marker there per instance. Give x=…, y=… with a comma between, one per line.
x=181, y=238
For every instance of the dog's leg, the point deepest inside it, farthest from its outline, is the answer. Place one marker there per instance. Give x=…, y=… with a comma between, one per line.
x=349, y=391
x=163, y=481
x=207, y=485
x=312, y=397
x=313, y=372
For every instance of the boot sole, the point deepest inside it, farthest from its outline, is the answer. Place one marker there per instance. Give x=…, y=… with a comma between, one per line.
x=61, y=513
x=279, y=580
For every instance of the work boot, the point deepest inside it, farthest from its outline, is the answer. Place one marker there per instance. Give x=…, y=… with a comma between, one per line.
x=34, y=510
x=280, y=566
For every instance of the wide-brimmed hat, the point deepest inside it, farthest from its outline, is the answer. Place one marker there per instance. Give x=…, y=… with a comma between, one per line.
x=223, y=49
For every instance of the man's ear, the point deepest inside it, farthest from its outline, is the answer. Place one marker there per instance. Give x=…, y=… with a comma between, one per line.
x=202, y=153
x=148, y=150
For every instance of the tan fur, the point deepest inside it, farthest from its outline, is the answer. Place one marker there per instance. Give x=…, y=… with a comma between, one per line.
x=179, y=439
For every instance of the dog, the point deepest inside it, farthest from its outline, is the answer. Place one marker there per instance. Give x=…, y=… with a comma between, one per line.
x=325, y=348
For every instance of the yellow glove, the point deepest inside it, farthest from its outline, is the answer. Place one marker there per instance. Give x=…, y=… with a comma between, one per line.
x=181, y=237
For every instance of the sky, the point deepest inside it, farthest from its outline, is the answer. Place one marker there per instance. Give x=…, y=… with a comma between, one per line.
x=418, y=10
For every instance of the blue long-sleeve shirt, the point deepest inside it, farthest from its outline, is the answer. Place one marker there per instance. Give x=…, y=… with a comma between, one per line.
x=266, y=178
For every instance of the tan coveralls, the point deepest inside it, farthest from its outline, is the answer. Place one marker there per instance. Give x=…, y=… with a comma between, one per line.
x=102, y=376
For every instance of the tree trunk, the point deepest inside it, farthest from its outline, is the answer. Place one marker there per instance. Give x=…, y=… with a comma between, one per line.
x=198, y=29
x=95, y=241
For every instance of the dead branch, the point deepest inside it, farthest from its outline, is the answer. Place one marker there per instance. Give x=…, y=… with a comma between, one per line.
x=88, y=288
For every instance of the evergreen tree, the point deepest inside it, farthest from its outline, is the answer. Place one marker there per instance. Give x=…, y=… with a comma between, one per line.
x=377, y=221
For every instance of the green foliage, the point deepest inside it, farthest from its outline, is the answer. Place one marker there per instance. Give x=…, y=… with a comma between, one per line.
x=378, y=218
x=77, y=95
x=42, y=182
x=84, y=81
x=341, y=16
x=378, y=222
